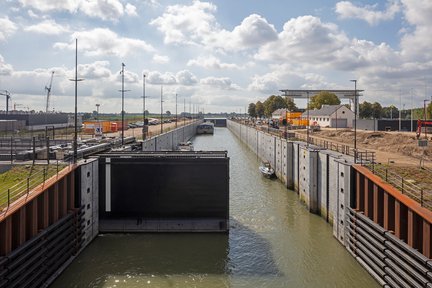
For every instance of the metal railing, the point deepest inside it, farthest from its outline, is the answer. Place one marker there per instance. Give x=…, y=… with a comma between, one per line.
x=404, y=185
x=8, y=195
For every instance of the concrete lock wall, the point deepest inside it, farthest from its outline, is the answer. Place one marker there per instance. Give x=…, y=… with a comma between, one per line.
x=169, y=141
x=89, y=193
x=322, y=178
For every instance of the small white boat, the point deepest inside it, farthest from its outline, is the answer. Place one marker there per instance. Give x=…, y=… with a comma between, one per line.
x=185, y=146
x=266, y=170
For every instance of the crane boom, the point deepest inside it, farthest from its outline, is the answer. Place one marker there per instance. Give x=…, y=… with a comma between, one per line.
x=48, y=89
x=8, y=97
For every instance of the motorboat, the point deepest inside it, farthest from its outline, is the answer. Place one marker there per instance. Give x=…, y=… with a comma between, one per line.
x=266, y=170
x=185, y=146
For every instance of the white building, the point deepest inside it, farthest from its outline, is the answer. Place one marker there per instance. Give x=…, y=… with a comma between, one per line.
x=333, y=116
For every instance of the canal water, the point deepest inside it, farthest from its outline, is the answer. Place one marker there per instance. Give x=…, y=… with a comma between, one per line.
x=273, y=242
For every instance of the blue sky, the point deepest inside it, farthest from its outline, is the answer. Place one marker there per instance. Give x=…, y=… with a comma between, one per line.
x=218, y=55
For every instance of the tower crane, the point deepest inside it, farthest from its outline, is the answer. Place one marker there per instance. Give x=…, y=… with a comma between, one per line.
x=48, y=89
x=8, y=97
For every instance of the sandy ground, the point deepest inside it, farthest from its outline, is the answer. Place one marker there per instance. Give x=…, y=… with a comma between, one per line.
x=397, y=148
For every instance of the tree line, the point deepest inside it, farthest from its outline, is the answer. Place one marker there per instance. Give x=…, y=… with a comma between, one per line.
x=366, y=110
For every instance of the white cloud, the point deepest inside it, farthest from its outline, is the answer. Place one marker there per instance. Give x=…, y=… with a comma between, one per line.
x=130, y=10
x=185, y=77
x=160, y=59
x=212, y=62
x=416, y=45
x=268, y=83
x=305, y=39
x=48, y=5
x=47, y=27
x=347, y=10
x=197, y=25
x=103, y=42
x=7, y=28
x=155, y=77
x=221, y=83
x=254, y=31
x=5, y=68
x=95, y=70
x=103, y=9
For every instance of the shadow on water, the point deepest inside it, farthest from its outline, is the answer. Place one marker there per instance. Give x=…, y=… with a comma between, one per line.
x=249, y=253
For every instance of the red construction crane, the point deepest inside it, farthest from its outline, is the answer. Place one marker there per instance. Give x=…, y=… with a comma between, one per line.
x=421, y=123
x=48, y=89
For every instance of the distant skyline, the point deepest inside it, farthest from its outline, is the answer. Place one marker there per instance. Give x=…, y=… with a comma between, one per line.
x=220, y=56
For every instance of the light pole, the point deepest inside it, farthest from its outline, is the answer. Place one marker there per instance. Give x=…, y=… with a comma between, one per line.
x=97, y=117
x=355, y=120
x=176, y=112
x=75, y=144
x=122, y=112
x=144, y=130
x=425, y=129
x=308, y=120
x=161, y=115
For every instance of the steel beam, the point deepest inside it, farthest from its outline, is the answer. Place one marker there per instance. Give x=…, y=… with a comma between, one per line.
x=6, y=236
x=426, y=239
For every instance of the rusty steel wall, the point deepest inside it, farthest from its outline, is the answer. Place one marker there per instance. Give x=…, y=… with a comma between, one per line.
x=40, y=232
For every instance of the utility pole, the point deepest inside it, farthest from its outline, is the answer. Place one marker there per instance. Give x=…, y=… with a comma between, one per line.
x=355, y=120
x=122, y=112
x=75, y=144
x=144, y=131
x=176, y=112
x=161, y=115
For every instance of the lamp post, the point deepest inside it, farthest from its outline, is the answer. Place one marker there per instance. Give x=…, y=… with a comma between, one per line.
x=355, y=120
x=97, y=117
x=122, y=112
x=144, y=130
x=308, y=120
x=176, y=112
x=75, y=143
x=424, y=104
x=161, y=114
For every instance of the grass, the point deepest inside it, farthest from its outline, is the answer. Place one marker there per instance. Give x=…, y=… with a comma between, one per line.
x=21, y=178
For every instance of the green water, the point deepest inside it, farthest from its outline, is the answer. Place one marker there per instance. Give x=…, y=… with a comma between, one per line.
x=273, y=242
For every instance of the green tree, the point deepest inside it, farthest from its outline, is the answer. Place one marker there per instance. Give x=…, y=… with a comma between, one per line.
x=366, y=111
x=290, y=105
x=429, y=111
x=259, y=109
x=390, y=112
x=168, y=113
x=252, y=110
x=273, y=103
x=323, y=98
x=377, y=110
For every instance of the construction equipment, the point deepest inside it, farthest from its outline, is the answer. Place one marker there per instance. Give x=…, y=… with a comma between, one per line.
x=421, y=123
x=48, y=89
x=8, y=97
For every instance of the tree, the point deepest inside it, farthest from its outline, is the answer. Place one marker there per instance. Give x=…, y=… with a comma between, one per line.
x=390, y=112
x=323, y=98
x=290, y=105
x=273, y=103
x=168, y=113
x=429, y=111
x=259, y=109
x=366, y=111
x=377, y=110
x=252, y=110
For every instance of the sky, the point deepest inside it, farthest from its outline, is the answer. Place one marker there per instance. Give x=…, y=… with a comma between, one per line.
x=215, y=56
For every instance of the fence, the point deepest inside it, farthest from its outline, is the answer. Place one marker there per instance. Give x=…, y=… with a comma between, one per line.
x=10, y=194
x=415, y=192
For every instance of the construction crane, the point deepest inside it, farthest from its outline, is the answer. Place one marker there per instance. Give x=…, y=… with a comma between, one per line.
x=8, y=97
x=48, y=89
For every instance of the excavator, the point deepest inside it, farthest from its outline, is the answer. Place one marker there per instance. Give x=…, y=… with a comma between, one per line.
x=421, y=123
